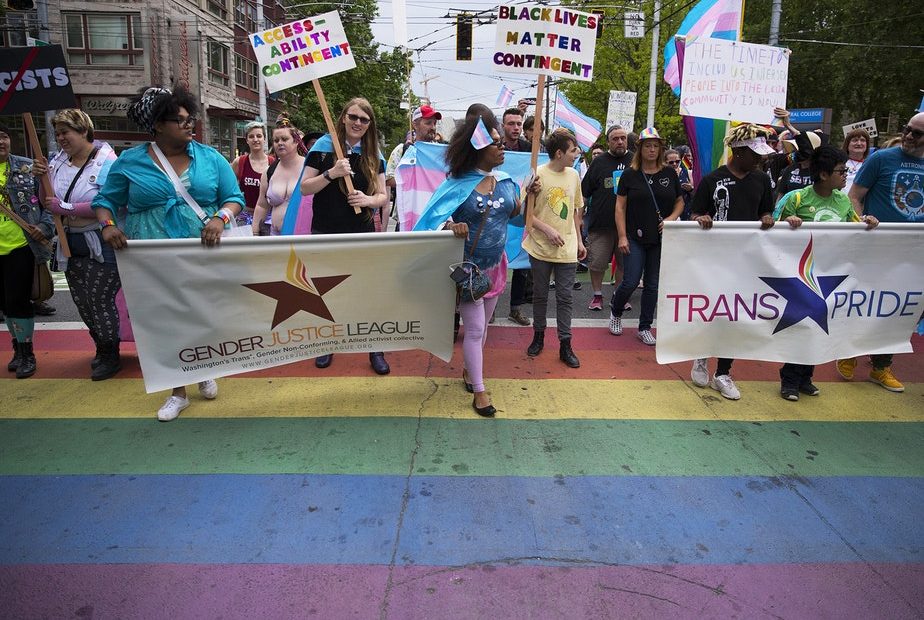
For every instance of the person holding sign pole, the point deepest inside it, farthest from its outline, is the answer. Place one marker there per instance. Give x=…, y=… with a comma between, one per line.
x=335, y=209
x=171, y=188
x=648, y=194
x=25, y=231
x=78, y=171
x=478, y=201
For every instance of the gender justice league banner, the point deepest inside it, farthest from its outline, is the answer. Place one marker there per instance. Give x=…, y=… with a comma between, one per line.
x=423, y=167
x=34, y=79
x=822, y=292
x=555, y=41
x=301, y=51
x=205, y=313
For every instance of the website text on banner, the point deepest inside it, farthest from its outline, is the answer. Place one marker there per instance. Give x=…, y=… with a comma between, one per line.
x=557, y=42
x=733, y=81
x=302, y=296
x=301, y=51
x=822, y=292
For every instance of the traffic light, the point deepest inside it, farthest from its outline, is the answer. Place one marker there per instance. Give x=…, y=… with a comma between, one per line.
x=601, y=15
x=20, y=5
x=464, y=36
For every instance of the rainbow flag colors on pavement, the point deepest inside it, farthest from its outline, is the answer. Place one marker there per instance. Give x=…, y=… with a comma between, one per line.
x=614, y=490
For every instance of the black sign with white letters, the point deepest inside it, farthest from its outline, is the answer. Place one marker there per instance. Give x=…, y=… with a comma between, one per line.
x=34, y=79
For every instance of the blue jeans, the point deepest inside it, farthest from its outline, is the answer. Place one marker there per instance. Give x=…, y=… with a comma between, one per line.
x=640, y=259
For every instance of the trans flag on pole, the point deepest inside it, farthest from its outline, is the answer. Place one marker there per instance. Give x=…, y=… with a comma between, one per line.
x=480, y=137
x=719, y=19
x=585, y=129
x=504, y=97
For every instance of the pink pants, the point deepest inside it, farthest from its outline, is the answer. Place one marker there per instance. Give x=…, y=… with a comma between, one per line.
x=475, y=317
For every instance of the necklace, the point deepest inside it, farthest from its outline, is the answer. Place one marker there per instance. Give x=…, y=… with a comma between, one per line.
x=488, y=202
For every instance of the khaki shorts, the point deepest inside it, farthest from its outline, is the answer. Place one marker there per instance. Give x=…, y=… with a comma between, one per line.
x=601, y=245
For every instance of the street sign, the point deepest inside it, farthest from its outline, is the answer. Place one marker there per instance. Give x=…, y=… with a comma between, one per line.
x=635, y=25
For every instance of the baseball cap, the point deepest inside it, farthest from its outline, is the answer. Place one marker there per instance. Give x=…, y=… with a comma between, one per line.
x=758, y=145
x=426, y=111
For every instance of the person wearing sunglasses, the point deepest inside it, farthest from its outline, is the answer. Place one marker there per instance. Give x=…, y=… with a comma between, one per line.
x=823, y=201
x=890, y=187
x=140, y=191
x=673, y=158
x=476, y=202
x=333, y=206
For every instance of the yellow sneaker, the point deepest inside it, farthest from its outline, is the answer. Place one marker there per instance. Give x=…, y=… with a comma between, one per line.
x=846, y=367
x=886, y=379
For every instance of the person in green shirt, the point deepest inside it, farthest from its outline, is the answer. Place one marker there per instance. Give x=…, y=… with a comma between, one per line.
x=823, y=201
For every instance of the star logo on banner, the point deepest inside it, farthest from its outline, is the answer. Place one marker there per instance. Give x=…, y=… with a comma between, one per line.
x=298, y=291
x=806, y=295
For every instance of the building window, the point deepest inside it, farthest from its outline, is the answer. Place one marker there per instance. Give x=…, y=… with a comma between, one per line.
x=245, y=72
x=103, y=39
x=218, y=8
x=18, y=27
x=218, y=64
x=245, y=14
x=221, y=132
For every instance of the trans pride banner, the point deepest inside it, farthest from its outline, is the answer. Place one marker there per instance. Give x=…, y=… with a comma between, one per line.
x=825, y=291
x=249, y=304
x=423, y=168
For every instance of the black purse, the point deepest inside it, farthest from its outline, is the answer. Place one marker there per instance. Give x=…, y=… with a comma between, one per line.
x=471, y=282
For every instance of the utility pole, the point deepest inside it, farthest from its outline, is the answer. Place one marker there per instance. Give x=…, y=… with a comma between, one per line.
x=261, y=83
x=41, y=11
x=653, y=76
x=775, y=10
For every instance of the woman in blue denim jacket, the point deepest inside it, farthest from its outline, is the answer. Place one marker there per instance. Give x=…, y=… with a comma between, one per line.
x=21, y=248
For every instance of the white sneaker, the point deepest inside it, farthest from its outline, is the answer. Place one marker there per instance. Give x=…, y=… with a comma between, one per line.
x=700, y=372
x=647, y=337
x=616, y=325
x=725, y=386
x=208, y=389
x=172, y=408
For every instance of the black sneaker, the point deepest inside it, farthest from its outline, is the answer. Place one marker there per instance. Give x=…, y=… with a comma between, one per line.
x=810, y=389
x=789, y=393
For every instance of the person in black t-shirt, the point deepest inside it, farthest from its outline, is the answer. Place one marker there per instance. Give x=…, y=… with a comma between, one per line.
x=521, y=285
x=649, y=193
x=333, y=204
x=599, y=189
x=736, y=192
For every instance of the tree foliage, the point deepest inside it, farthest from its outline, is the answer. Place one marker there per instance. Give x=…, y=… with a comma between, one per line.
x=379, y=76
x=857, y=82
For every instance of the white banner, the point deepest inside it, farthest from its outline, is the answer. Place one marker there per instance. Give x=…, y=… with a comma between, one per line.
x=554, y=41
x=733, y=81
x=301, y=51
x=621, y=110
x=822, y=292
x=200, y=313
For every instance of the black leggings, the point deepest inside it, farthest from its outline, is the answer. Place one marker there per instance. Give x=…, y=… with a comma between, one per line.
x=94, y=287
x=17, y=270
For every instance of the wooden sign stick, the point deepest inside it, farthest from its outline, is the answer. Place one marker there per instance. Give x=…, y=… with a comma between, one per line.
x=22, y=223
x=537, y=135
x=332, y=130
x=45, y=181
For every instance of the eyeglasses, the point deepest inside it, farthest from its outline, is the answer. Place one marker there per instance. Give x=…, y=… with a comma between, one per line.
x=841, y=171
x=499, y=145
x=362, y=120
x=189, y=121
x=674, y=162
x=917, y=134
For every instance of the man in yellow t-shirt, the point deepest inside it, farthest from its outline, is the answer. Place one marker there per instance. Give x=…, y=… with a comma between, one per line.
x=553, y=241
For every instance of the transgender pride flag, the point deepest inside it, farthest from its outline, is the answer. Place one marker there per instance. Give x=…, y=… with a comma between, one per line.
x=504, y=97
x=719, y=19
x=584, y=128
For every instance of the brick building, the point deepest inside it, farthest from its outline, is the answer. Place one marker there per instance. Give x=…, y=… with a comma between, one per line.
x=115, y=47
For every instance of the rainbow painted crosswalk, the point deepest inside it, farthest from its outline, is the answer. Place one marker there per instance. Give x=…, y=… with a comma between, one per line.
x=614, y=490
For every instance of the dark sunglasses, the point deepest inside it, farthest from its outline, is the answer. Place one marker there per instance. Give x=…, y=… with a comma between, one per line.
x=674, y=162
x=355, y=118
x=917, y=134
x=499, y=145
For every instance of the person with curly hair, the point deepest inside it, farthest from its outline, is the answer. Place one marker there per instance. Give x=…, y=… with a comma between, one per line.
x=735, y=192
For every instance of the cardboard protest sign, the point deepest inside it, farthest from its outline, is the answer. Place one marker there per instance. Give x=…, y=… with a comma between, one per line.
x=869, y=125
x=301, y=51
x=554, y=41
x=34, y=79
x=621, y=109
x=733, y=81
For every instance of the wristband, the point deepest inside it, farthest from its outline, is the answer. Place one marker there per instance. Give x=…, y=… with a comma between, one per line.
x=224, y=215
x=106, y=223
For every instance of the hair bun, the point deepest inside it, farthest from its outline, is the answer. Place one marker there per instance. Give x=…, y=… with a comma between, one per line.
x=283, y=120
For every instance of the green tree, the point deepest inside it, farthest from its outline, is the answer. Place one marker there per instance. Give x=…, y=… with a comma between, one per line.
x=870, y=78
x=379, y=76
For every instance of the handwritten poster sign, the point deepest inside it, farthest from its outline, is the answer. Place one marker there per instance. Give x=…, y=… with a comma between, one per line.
x=621, y=109
x=301, y=51
x=869, y=125
x=555, y=41
x=733, y=81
